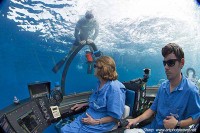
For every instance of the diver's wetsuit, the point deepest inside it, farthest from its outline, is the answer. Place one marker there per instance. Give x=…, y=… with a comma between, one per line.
x=86, y=29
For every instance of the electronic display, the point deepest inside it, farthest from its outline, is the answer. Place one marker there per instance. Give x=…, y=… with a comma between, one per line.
x=39, y=89
x=28, y=122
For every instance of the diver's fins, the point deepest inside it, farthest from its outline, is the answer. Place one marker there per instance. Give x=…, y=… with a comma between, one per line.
x=59, y=64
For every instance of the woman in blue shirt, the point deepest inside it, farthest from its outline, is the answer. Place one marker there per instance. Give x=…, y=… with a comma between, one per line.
x=106, y=104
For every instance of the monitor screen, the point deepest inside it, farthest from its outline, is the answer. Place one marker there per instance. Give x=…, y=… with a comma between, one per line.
x=39, y=89
x=28, y=122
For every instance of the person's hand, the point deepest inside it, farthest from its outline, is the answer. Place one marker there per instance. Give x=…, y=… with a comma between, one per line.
x=131, y=122
x=88, y=120
x=89, y=41
x=170, y=122
x=77, y=107
x=82, y=42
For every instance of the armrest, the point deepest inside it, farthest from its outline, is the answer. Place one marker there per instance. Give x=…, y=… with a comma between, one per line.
x=126, y=112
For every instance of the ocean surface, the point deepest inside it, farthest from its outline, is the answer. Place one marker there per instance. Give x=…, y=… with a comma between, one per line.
x=36, y=34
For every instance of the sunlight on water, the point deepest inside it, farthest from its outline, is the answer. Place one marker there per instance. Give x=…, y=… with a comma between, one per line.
x=132, y=27
x=127, y=22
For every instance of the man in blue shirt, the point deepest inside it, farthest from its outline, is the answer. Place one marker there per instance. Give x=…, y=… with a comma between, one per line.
x=177, y=104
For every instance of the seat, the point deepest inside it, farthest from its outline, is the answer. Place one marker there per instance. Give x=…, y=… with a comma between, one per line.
x=129, y=105
x=130, y=100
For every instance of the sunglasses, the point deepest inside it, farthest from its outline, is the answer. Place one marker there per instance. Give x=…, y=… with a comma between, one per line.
x=95, y=66
x=170, y=62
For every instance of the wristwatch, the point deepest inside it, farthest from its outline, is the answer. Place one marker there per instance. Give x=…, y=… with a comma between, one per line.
x=178, y=125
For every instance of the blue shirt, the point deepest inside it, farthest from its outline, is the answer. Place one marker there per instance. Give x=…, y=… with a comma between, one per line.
x=108, y=101
x=183, y=102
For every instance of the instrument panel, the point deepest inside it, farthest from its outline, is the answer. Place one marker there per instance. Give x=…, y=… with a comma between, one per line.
x=34, y=115
x=26, y=117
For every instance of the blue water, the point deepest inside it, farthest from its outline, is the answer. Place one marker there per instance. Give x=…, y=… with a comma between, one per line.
x=36, y=34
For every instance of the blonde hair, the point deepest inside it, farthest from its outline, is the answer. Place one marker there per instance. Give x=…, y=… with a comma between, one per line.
x=107, y=69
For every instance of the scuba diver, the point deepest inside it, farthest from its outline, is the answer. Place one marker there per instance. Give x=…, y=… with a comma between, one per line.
x=86, y=31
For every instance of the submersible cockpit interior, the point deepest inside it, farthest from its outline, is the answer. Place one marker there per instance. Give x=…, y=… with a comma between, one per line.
x=46, y=106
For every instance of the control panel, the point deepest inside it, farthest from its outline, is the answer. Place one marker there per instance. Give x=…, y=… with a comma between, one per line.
x=5, y=126
x=31, y=116
x=43, y=105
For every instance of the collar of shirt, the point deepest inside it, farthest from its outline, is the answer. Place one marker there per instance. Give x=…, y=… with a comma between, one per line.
x=178, y=88
x=104, y=86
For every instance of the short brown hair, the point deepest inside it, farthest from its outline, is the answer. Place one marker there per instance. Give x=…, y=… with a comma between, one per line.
x=173, y=48
x=108, y=68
